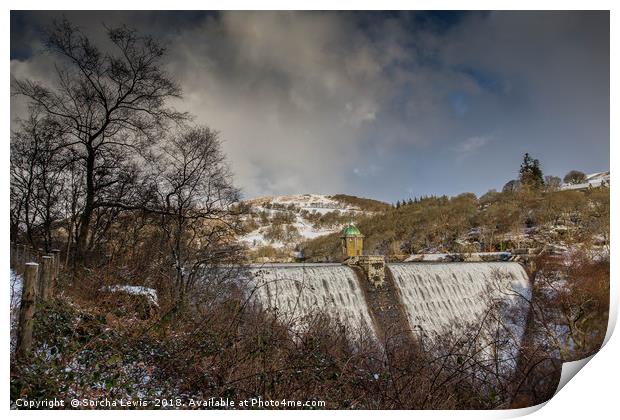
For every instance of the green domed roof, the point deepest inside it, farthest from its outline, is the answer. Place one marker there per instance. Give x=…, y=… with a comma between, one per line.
x=351, y=230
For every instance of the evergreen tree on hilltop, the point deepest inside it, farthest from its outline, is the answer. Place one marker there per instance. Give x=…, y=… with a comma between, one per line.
x=530, y=173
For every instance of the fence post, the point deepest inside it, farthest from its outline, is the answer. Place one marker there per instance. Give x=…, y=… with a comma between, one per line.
x=56, y=281
x=45, y=280
x=26, y=311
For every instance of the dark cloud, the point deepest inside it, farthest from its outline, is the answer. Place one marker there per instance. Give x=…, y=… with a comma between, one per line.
x=377, y=104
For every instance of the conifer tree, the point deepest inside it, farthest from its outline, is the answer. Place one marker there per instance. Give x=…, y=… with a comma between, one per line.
x=530, y=173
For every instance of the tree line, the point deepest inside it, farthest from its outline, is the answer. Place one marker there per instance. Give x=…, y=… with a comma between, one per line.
x=530, y=177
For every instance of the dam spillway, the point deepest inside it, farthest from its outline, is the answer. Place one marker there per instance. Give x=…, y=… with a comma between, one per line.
x=439, y=297
x=297, y=291
x=435, y=297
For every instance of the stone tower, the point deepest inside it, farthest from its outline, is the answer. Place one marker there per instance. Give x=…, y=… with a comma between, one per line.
x=352, y=241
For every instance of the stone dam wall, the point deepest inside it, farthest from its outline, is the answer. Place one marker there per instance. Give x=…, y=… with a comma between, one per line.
x=413, y=298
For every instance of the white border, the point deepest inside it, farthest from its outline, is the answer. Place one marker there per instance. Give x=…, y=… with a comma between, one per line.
x=592, y=395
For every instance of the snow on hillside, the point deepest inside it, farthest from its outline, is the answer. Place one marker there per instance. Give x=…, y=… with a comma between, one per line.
x=316, y=202
x=257, y=238
x=597, y=179
x=284, y=221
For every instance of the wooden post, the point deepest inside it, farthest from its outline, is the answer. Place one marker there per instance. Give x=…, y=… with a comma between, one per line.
x=45, y=279
x=13, y=262
x=56, y=281
x=26, y=311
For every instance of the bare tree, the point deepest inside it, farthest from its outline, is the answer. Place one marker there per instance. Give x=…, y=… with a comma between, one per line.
x=72, y=200
x=195, y=201
x=37, y=179
x=108, y=103
x=552, y=183
x=575, y=177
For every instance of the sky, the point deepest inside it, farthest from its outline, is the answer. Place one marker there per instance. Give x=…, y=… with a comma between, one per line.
x=384, y=105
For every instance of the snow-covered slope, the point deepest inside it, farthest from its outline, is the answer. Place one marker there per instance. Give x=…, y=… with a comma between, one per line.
x=311, y=202
x=285, y=221
x=597, y=179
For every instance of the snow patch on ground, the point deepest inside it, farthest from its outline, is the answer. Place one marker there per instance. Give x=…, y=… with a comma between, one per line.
x=426, y=257
x=309, y=232
x=254, y=238
x=470, y=256
x=257, y=238
x=150, y=294
x=16, y=285
x=16, y=290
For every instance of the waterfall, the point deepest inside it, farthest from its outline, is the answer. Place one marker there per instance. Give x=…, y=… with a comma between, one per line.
x=297, y=291
x=440, y=297
x=436, y=297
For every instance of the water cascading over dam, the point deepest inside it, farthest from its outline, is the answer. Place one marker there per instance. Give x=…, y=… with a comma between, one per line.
x=297, y=291
x=438, y=297
x=435, y=297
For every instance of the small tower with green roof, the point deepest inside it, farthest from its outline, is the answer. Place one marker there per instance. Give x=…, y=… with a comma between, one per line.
x=352, y=241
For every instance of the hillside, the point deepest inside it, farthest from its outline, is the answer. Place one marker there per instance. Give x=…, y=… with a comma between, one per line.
x=494, y=222
x=276, y=226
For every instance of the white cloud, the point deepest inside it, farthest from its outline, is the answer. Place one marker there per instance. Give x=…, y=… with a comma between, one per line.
x=472, y=144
